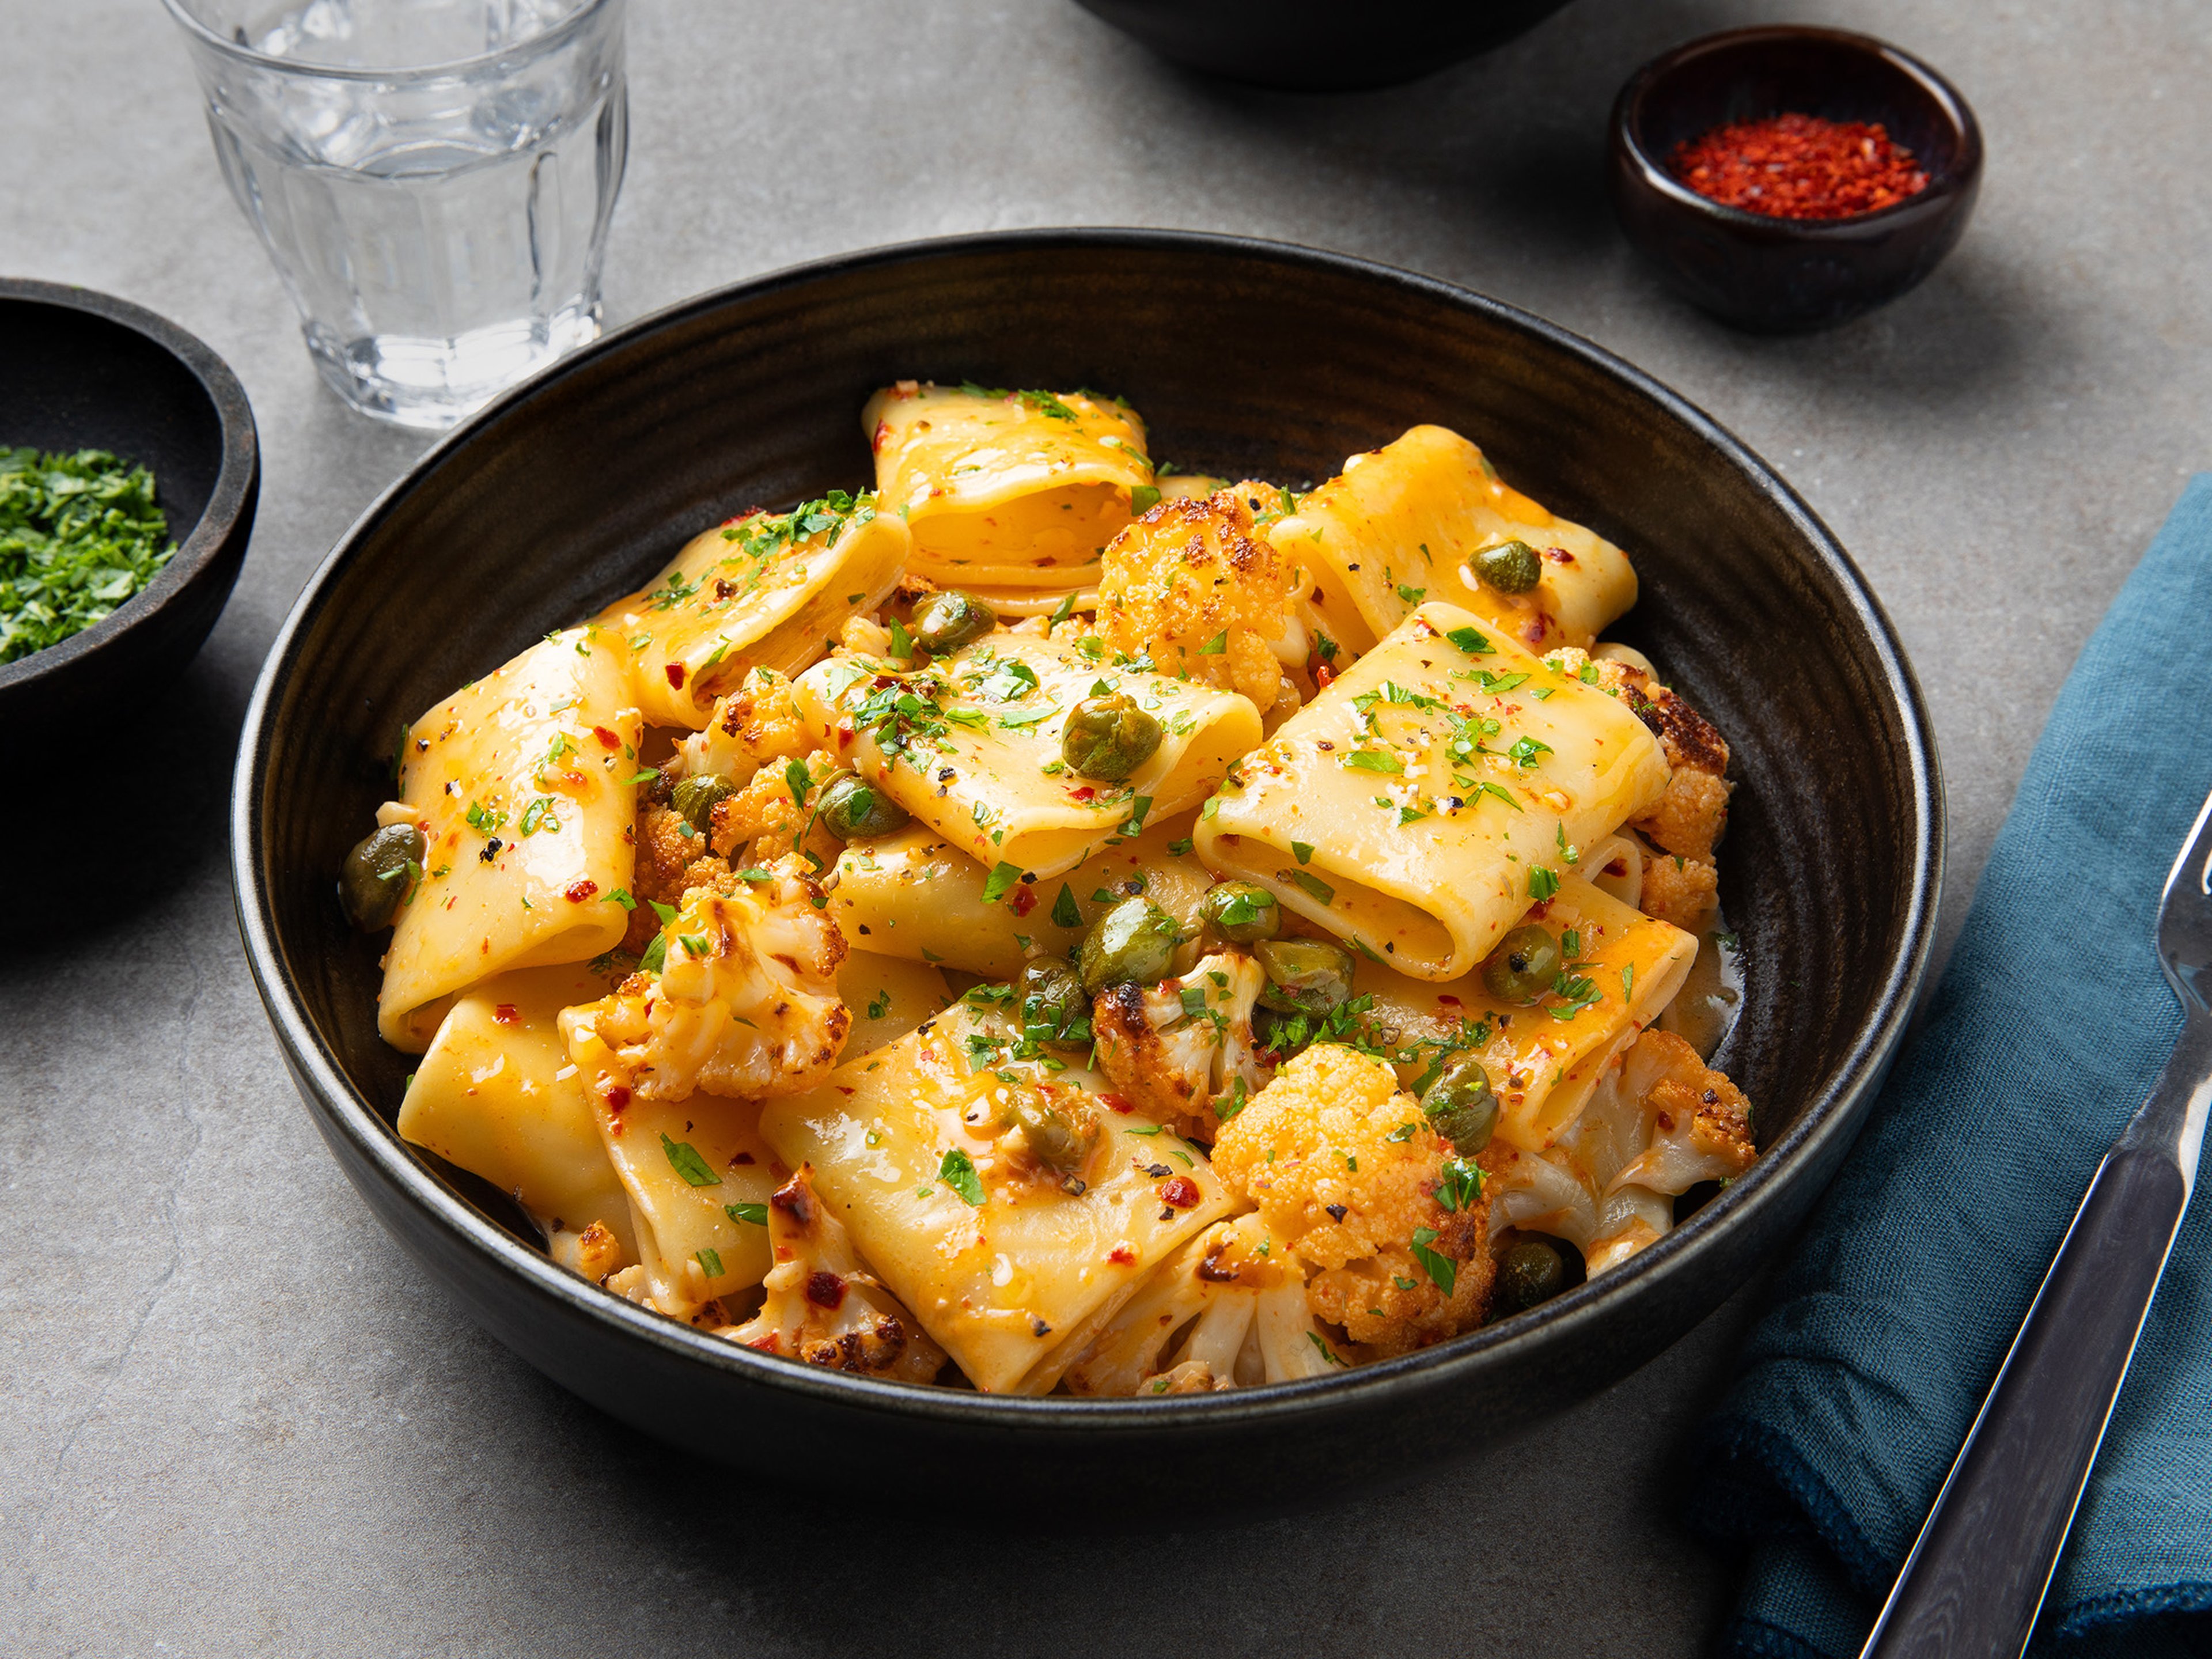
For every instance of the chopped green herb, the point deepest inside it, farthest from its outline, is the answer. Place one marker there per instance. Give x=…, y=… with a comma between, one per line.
x=1628, y=981
x=645, y=776
x=1542, y=883
x=1143, y=498
x=1308, y=883
x=79, y=534
x=1470, y=641
x=800, y=781
x=683, y=1158
x=1443, y=1271
x=957, y=1171
x=1064, y=912
x=1003, y=876
x=1374, y=760
x=1460, y=1186
x=1524, y=752
x=1301, y=851
x=879, y=1005
x=621, y=896
x=1216, y=646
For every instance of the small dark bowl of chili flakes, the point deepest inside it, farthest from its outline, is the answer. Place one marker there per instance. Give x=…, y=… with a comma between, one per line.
x=1789, y=178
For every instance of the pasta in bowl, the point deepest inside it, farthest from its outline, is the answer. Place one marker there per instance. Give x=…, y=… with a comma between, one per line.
x=558, y=507
x=1240, y=934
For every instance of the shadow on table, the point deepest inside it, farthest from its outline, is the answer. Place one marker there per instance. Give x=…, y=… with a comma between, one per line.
x=120, y=816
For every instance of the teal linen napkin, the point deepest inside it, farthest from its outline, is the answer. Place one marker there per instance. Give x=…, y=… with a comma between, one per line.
x=2046, y=1031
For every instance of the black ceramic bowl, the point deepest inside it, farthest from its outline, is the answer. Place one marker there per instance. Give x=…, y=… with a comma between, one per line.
x=1307, y=45
x=79, y=370
x=1244, y=357
x=1778, y=275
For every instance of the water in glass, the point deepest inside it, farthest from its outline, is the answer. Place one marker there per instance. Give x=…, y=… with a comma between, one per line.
x=432, y=178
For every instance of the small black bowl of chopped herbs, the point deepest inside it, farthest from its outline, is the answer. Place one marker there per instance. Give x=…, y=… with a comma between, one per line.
x=128, y=472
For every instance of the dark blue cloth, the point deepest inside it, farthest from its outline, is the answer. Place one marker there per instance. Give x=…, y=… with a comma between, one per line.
x=2047, y=1029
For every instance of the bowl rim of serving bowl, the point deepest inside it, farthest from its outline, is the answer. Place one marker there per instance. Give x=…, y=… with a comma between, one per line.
x=1955, y=182
x=236, y=480
x=1829, y=1115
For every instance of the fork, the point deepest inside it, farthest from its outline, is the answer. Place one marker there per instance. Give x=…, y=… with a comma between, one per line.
x=1979, y=1572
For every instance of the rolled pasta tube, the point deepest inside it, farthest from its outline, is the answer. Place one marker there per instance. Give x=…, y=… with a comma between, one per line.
x=760, y=591
x=1432, y=793
x=697, y=1173
x=1403, y=522
x=495, y=1095
x=914, y=896
x=524, y=785
x=970, y=745
x=1001, y=1258
x=1542, y=1059
x=887, y=996
x=1006, y=489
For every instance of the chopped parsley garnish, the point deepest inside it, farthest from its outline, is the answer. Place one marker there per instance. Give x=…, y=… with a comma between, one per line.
x=1580, y=991
x=1309, y=882
x=646, y=776
x=1143, y=498
x=1542, y=883
x=1524, y=752
x=1216, y=646
x=683, y=1158
x=1460, y=1185
x=1003, y=876
x=957, y=1171
x=1486, y=787
x=1411, y=595
x=801, y=782
x=1374, y=760
x=1471, y=640
x=749, y=1215
x=1064, y=912
x=1301, y=851
x=710, y=1263
x=1443, y=1271
x=538, y=815
x=79, y=535
x=879, y=1005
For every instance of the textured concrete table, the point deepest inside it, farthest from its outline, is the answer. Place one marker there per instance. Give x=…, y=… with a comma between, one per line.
x=239, y=1421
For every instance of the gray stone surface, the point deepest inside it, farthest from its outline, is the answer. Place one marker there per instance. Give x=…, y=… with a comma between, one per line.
x=239, y=1421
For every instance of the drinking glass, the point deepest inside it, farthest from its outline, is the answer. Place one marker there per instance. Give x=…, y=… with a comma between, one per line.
x=433, y=179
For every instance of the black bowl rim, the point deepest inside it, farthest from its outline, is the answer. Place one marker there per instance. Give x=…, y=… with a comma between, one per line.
x=230, y=497
x=1832, y=1116
x=1953, y=183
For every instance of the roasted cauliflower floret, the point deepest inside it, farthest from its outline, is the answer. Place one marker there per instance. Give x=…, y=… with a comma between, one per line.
x=754, y=726
x=745, y=1003
x=768, y=819
x=1659, y=1121
x=1191, y=587
x=1188, y=1328
x=1678, y=890
x=822, y=1306
x=1179, y=1047
x=1347, y=1174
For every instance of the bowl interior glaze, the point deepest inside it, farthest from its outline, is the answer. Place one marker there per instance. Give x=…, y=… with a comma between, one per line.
x=1244, y=358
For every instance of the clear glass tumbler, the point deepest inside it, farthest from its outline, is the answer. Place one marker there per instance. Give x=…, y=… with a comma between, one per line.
x=432, y=178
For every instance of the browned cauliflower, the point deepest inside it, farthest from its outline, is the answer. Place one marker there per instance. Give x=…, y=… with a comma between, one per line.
x=1190, y=1326
x=1191, y=587
x=1349, y=1177
x=1659, y=1121
x=1178, y=1047
x=767, y=819
x=755, y=725
x=745, y=1003
x=822, y=1304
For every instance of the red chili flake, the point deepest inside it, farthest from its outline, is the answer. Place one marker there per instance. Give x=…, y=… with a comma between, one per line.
x=1324, y=676
x=1114, y=1102
x=883, y=435
x=577, y=892
x=675, y=672
x=607, y=739
x=1799, y=167
x=1120, y=1255
x=505, y=1014
x=1087, y=793
x=825, y=1289
x=616, y=1097
x=1181, y=1192
x=1449, y=1001
x=1024, y=901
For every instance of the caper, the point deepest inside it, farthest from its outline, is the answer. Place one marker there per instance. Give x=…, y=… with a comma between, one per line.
x=1109, y=737
x=1523, y=966
x=1061, y=1142
x=853, y=809
x=694, y=798
x=1510, y=566
x=948, y=620
x=1461, y=1106
x=1053, y=997
x=1304, y=975
x=1241, y=913
x=1531, y=1271
x=374, y=876
x=1131, y=943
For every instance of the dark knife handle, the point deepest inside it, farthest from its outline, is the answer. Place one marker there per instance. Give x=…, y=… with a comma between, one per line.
x=1975, y=1581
